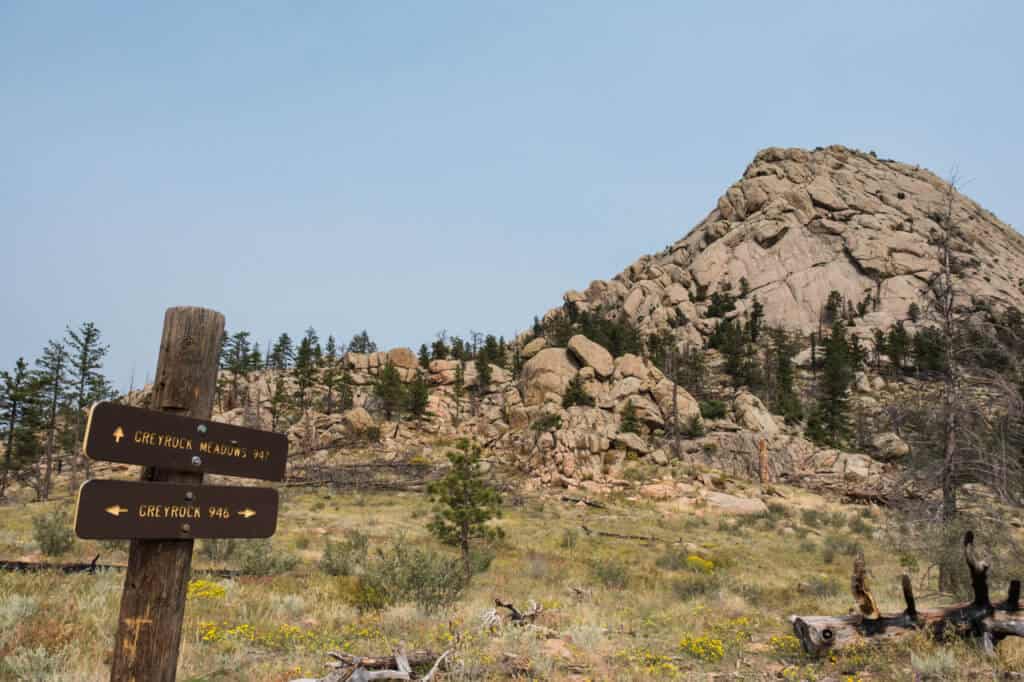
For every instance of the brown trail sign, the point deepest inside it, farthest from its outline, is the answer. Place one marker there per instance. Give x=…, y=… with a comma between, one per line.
x=171, y=511
x=170, y=506
x=132, y=435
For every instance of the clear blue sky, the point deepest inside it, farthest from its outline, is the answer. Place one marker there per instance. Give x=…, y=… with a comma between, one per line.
x=408, y=167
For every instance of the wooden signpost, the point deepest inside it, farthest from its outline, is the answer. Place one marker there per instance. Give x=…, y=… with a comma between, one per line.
x=176, y=443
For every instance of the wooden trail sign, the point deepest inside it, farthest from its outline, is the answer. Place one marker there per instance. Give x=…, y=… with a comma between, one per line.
x=155, y=584
x=172, y=511
x=132, y=435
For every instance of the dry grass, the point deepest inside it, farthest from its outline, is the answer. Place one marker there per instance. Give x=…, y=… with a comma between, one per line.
x=641, y=612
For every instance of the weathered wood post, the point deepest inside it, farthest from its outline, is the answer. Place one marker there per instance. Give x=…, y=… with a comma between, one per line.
x=153, y=601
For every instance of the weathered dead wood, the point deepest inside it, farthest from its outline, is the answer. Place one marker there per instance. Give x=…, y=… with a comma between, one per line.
x=586, y=501
x=72, y=567
x=623, y=536
x=398, y=666
x=978, y=619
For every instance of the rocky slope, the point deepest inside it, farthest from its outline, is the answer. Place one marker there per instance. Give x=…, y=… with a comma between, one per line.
x=800, y=224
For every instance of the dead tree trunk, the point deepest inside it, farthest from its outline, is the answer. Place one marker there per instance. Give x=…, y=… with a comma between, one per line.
x=978, y=619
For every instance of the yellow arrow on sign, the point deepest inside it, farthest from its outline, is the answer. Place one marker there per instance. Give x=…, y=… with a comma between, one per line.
x=116, y=510
x=247, y=513
x=118, y=434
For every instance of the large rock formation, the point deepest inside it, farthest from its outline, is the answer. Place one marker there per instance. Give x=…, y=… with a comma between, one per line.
x=800, y=224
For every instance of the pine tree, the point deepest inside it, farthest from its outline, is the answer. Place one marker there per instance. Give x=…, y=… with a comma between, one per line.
x=236, y=357
x=898, y=345
x=331, y=373
x=465, y=503
x=914, y=312
x=424, y=356
x=756, y=320
x=459, y=390
x=693, y=371
x=629, y=423
x=439, y=349
x=418, y=396
x=830, y=422
x=305, y=373
x=52, y=376
x=362, y=343
x=576, y=395
x=282, y=354
x=16, y=392
x=278, y=402
x=483, y=373
x=389, y=390
x=316, y=352
x=86, y=351
x=833, y=307
x=784, y=396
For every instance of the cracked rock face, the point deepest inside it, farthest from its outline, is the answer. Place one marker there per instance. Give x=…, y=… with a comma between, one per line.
x=800, y=224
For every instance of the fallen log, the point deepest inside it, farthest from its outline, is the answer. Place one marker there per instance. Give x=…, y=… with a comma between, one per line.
x=36, y=566
x=585, y=501
x=978, y=619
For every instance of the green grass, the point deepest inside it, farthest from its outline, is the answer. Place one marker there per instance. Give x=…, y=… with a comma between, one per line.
x=626, y=610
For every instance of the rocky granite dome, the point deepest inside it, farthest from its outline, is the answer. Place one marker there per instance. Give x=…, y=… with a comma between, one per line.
x=800, y=224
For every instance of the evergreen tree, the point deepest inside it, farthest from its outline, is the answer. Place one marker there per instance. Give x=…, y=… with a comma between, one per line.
x=361, y=343
x=418, y=396
x=282, y=354
x=898, y=345
x=483, y=373
x=278, y=403
x=439, y=349
x=424, y=357
x=459, y=391
x=460, y=351
x=236, y=357
x=833, y=307
x=389, y=390
x=52, y=378
x=756, y=320
x=929, y=350
x=784, y=396
x=465, y=503
x=830, y=422
x=744, y=287
x=630, y=423
x=576, y=395
x=316, y=352
x=255, y=358
x=331, y=373
x=914, y=312
x=693, y=371
x=16, y=393
x=346, y=400
x=86, y=351
x=305, y=373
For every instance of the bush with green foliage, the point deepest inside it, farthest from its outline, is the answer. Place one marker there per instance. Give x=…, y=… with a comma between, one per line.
x=347, y=556
x=218, y=549
x=405, y=574
x=610, y=573
x=53, y=533
x=261, y=558
x=575, y=394
x=630, y=423
x=712, y=409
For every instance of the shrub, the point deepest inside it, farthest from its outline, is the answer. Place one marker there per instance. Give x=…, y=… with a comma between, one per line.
x=570, y=537
x=53, y=533
x=824, y=586
x=426, y=578
x=576, y=395
x=691, y=585
x=610, y=573
x=346, y=556
x=630, y=422
x=260, y=557
x=810, y=518
x=218, y=549
x=839, y=544
x=695, y=429
x=858, y=525
x=302, y=542
x=712, y=409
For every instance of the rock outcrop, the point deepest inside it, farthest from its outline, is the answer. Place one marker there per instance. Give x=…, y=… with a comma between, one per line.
x=800, y=224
